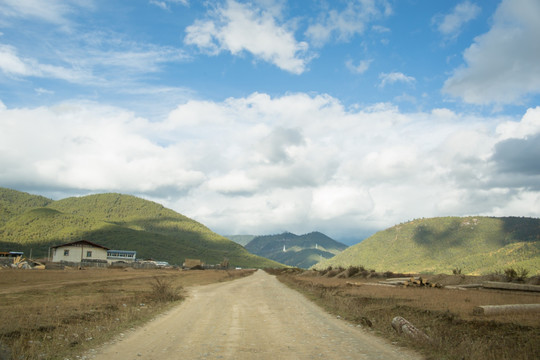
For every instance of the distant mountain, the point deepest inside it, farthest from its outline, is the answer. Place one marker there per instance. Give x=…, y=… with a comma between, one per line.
x=116, y=221
x=241, y=239
x=301, y=251
x=476, y=245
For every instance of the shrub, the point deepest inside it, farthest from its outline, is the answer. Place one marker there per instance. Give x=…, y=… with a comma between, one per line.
x=353, y=270
x=521, y=274
x=163, y=290
x=510, y=274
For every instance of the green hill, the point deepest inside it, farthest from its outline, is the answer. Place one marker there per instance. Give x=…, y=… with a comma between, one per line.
x=301, y=251
x=117, y=221
x=476, y=245
x=13, y=203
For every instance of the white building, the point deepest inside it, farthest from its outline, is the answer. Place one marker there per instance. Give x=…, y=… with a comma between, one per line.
x=121, y=255
x=79, y=251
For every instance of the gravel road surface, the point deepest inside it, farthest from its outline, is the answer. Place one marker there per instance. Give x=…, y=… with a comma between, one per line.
x=255, y=317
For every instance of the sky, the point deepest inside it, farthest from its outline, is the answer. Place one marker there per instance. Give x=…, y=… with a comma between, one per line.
x=264, y=116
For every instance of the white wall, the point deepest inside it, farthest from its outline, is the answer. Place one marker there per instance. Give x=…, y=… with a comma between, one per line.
x=78, y=252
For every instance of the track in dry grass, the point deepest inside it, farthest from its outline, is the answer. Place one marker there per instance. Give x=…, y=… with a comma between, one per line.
x=252, y=318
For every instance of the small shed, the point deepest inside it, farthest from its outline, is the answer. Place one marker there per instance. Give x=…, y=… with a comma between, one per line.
x=79, y=251
x=191, y=263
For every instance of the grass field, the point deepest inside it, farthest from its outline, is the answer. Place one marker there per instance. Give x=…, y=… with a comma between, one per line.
x=446, y=316
x=59, y=314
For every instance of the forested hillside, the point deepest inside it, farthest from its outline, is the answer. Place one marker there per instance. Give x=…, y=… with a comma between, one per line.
x=116, y=221
x=14, y=203
x=301, y=251
x=474, y=245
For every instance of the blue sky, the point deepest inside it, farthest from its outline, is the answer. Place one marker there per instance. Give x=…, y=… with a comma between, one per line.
x=269, y=115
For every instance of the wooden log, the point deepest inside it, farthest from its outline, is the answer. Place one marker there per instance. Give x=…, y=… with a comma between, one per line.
x=367, y=283
x=395, y=283
x=463, y=286
x=506, y=309
x=376, y=284
x=470, y=286
x=510, y=286
x=403, y=278
x=455, y=287
x=402, y=326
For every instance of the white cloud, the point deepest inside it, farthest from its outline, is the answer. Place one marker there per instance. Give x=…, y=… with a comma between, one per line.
x=53, y=11
x=360, y=68
x=107, y=59
x=89, y=147
x=42, y=91
x=502, y=65
x=12, y=64
x=263, y=164
x=336, y=200
x=347, y=23
x=393, y=77
x=239, y=28
x=450, y=25
x=165, y=4
x=235, y=182
x=529, y=125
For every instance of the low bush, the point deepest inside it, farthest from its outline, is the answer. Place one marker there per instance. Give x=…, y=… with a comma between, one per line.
x=163, y=290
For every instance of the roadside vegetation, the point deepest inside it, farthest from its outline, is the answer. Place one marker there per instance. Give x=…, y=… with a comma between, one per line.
x=445, y=315
x=61, y=314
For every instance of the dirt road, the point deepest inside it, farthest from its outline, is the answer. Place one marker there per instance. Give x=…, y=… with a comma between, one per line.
x=256, y=317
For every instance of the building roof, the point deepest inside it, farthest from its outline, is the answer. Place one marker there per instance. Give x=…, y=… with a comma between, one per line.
x=81, y=242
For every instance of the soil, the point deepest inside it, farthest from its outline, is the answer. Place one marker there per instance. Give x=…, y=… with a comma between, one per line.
x=256, y=317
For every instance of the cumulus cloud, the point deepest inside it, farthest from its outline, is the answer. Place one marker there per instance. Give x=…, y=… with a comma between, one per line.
x=450, y=25
x=239, y=28
x=529, y=125
x=393, y=77
x=515, y=156
x=268, y=164
x=519, y=155
x=89, y=147
x=348, y=22
x=275, y=147
x=234, y=183
x=502, y=65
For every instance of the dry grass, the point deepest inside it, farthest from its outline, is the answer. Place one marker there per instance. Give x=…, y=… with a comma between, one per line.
x=59, y=314
x=445, y=315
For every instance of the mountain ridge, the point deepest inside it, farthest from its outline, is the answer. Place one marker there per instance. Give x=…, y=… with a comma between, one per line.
x=116, y=221
x=295, y=250
x=474, y=245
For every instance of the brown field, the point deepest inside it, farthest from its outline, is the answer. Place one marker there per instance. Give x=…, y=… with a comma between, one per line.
x=57, y=314
x=446, y=316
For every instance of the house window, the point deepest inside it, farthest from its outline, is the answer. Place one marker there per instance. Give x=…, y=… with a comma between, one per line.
x=88, y=254
x=66, y=252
